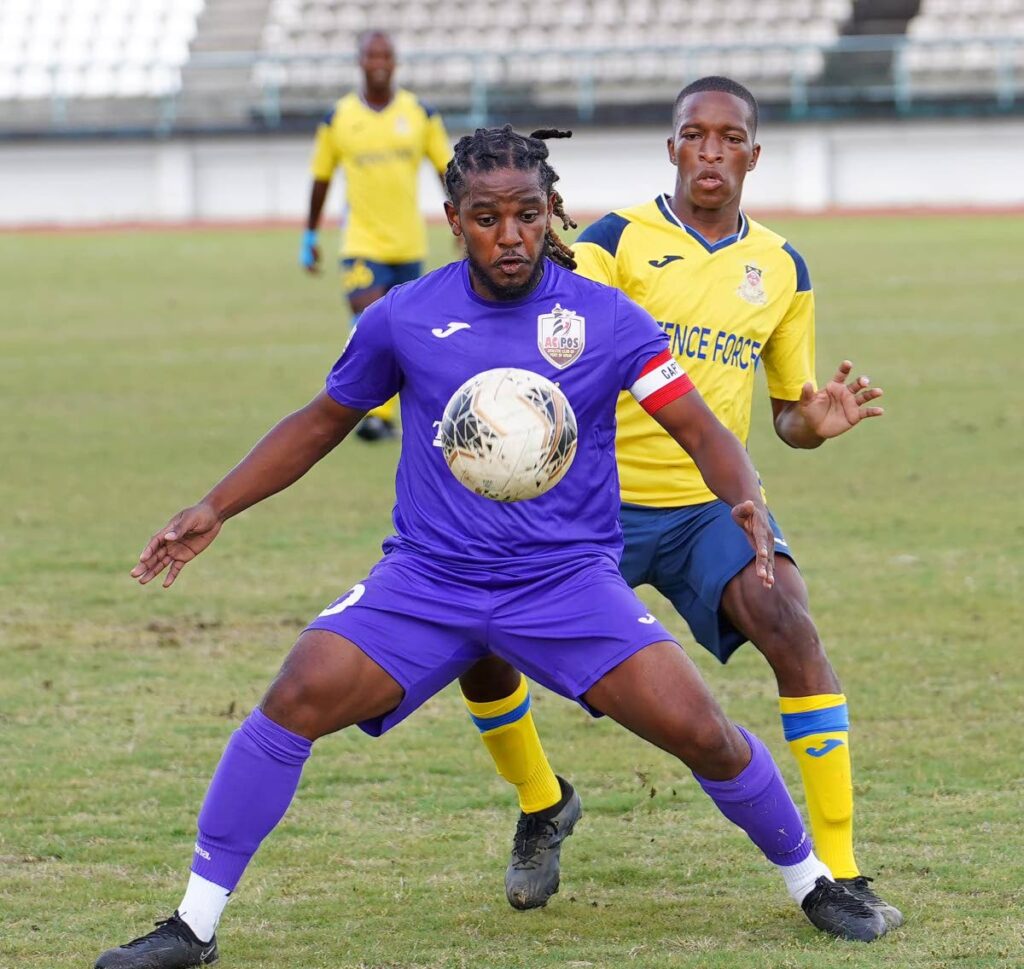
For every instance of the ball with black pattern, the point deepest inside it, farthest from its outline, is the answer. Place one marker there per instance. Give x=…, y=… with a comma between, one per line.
x=508, y=434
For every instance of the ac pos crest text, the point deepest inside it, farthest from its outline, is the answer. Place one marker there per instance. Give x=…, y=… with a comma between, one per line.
x=560, y=336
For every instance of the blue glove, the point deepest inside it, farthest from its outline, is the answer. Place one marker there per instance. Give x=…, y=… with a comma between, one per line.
x=307, y=256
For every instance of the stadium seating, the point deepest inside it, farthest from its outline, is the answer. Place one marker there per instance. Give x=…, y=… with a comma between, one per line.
x=94, y=48
x=954, y=45
x=293, y=56
x=548, y=49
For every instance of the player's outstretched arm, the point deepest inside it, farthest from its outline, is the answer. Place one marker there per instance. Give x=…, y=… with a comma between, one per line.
x=278, y=460
x=725, y=466
x=828, y=412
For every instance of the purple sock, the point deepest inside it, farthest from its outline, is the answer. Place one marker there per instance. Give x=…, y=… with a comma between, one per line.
x=757, y=801
x=251, y=789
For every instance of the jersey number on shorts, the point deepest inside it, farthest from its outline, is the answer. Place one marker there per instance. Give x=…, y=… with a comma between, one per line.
x=349, y=599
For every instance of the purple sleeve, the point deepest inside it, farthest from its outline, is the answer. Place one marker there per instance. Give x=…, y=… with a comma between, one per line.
x=638, y=339
x=367, y=373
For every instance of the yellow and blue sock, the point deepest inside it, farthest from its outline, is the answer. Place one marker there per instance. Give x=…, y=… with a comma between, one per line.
x=507, y=729
x=817, y=729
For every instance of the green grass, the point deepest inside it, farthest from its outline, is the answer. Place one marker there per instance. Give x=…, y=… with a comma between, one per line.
x=138, y=367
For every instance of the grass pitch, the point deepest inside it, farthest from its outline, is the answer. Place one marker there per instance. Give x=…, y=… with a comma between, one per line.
x=138, y=367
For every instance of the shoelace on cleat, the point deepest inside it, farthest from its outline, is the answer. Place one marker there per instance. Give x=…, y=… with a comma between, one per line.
x=173, y=927
x=529, y=832
x=844, y=900
x=862, y=884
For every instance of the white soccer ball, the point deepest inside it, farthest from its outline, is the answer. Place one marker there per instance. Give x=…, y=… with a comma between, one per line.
x=508, y=434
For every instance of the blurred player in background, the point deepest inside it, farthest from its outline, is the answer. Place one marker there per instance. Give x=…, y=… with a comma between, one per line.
x=730, y=294
x=379, y=136
x=463, y=575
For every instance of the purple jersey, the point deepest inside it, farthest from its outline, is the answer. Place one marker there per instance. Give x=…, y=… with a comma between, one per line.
x=424, y=339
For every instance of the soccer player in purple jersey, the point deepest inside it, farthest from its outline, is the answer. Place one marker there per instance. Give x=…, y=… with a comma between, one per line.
x=463, y=577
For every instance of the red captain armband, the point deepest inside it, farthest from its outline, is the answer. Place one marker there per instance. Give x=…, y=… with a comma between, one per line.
x=661, y=381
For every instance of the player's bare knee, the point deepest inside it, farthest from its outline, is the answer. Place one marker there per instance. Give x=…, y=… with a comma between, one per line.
x=713, y=747
x=780, y=623
x=296, y=702
x=787, y=637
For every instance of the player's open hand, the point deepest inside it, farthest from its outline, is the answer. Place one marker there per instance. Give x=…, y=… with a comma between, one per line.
x=753, y=519
x=309, y=253
x=839, y=405
x=177, y=543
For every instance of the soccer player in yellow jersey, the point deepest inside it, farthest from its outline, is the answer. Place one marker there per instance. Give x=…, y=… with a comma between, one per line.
x=379, y=137
x=732, y=296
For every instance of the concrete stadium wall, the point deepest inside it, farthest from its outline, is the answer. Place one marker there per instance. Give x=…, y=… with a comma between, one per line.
x=808, y=168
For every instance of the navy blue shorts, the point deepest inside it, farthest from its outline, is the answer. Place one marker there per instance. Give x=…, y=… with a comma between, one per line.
x=689, y=555
x=359, y=275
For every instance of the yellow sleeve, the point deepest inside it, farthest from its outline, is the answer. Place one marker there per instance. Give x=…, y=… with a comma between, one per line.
x=789, y=353
x=595, y=262
x=438, y=148
x=325, y=153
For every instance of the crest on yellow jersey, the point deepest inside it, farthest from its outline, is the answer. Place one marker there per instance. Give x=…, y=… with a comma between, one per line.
x=752, y=287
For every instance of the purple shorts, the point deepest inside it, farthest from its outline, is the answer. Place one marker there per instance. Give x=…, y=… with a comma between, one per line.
x=425, y=623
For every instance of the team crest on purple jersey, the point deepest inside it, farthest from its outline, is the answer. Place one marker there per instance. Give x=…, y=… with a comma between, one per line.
x=561, y=335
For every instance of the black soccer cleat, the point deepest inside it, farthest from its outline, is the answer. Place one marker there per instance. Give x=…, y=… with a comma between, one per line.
x=859, y=887
x=833, y=909
x=375, y=429
x=171, y=945
x=534, y=869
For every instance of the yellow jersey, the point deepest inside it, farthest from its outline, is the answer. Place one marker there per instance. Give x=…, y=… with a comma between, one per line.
x=380, y=153
x=727, y=307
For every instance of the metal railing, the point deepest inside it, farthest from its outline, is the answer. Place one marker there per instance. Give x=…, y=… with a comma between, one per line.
x=846, y=76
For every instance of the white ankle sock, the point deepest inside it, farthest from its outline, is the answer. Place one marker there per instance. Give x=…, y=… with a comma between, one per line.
x=202, y=905
x=800, y=878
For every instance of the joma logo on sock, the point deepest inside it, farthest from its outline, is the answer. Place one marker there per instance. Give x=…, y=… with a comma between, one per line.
x=826, y=747
x=202, y=853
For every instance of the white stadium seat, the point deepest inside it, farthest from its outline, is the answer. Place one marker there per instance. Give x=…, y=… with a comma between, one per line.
x=130, y=48
x=967, y=60
x=430, y=25
x=94, y=48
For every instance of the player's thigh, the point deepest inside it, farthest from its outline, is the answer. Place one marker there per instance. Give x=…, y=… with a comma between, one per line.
x=700, y=546
x=701, y=552
x=362, y=282
x=415, y=622
x=366, y=281
x=489, y=679
x=658, y=694
x=402, y=272
x=567, y=625
x=779, y=615
x=357, y=302
x=778, y=622
x=327, y=683
x=642, y=528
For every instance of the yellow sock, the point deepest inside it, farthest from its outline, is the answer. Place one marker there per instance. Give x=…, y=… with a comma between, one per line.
x=507, y=729
x=817, y=730
x=387, y=411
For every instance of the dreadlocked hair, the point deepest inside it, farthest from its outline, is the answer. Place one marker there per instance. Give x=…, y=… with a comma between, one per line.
x=488, y=149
